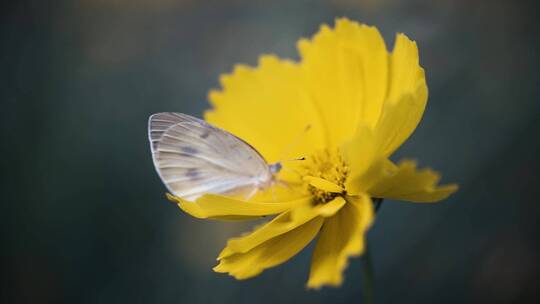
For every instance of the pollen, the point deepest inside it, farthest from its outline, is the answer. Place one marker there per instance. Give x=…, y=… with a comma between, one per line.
x=329, y=166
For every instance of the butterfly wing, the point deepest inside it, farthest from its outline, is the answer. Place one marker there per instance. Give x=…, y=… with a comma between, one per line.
x=193, y=157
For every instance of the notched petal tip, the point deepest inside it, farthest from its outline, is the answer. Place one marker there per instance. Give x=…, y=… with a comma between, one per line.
x=188, y=207
x=272, y=60
x=342, y=237
x=172, y=198
x=224, y=253
x=406, y=182
x=403, y=41
x=271, y=252
x=276, y=241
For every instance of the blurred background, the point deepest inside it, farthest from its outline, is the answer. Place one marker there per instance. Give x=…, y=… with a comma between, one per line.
x=84, y=218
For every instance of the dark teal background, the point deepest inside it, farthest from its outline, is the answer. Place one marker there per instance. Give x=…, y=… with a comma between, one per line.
x=84, y=218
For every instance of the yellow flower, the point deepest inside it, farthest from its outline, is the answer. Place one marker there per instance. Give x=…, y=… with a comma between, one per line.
x=345, y=107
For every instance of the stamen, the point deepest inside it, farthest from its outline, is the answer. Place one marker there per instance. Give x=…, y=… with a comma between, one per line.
x=325, y=174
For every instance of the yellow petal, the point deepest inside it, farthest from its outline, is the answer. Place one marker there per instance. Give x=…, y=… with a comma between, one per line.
x=221, y=207
x=324, y=210
x=399, y=119
x=266, y=107
x=281, y=224
x=346, y=71
x=323, y=184
x=270, y=253
x=405, y=70
x=342, y=236
x=362, y=156
x=406, y=99
x=405, y=182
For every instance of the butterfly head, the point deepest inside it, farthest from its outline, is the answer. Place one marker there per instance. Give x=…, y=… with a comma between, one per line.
x=275, y=167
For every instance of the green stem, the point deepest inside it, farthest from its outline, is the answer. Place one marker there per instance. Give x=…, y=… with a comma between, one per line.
x=368, y=289
x=367, y=278
x=378, y=203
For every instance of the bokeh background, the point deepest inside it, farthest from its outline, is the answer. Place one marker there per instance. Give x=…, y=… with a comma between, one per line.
x=84, y=218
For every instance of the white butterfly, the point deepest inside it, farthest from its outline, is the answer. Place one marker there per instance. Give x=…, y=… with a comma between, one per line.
x=193, y=158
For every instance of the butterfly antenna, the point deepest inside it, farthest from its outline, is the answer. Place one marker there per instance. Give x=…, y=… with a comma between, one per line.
x=293, y=159
x=277, y=166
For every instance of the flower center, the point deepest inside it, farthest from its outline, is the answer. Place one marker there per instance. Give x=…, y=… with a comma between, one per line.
x=330, y=167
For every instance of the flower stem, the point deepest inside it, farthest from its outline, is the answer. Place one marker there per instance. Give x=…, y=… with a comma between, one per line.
x=368, y=289
x=378, y=203
x=367, y=278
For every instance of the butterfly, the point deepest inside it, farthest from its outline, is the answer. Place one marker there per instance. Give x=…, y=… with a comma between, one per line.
x=193, y=158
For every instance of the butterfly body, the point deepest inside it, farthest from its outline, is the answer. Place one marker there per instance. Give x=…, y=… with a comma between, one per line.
x=193, y=158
